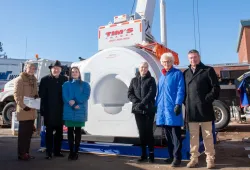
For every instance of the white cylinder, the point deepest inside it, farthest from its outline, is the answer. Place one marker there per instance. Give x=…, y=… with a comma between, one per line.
x=163, y=22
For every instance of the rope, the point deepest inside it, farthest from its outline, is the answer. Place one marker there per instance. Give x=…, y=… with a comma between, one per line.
x=194, y=25
x=198, y=26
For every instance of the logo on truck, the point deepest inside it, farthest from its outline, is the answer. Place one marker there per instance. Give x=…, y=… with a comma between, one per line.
x=123, y=32
x=7, y=75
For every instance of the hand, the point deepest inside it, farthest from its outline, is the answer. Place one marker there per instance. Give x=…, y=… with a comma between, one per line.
x=177, y=110
x=141, y=106
x=77, y=107
x=71, y=102
x=26, y=108
x=36, y=96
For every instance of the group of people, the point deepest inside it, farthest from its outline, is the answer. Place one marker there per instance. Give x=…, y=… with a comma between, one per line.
x=196, y=88
x=64, y=101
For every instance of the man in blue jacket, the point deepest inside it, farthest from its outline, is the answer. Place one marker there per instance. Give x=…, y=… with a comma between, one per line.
x=171, y=92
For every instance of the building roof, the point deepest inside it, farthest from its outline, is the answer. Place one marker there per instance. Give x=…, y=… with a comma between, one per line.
x=243, y=23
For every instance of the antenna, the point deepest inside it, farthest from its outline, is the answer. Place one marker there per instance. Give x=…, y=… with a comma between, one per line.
x=25, y=48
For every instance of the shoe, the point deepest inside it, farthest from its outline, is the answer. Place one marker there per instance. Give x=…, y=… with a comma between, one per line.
x=31, y=157
x=59, y=154
x=176, y=163
x=210, y=165
x=71, y=156
x=23, y=157
x=169, y=160
x=48, y=156
x=192, y=164
x=75, y=156
x=142, y=159
x=151, y=157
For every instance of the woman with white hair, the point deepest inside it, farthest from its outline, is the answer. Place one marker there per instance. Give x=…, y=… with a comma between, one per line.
x=141, y=93
x=25, y=85
x=171, y=92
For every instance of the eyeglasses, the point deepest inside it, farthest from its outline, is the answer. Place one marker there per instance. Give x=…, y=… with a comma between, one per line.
x=168, y=61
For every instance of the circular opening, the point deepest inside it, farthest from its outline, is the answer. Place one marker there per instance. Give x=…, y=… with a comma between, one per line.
x=111, y=93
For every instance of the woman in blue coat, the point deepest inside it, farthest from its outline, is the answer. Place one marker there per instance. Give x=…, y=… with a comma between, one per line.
x=75, y=110
x=171, y=92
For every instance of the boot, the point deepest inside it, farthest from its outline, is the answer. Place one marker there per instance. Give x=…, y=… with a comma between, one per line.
x=144, y=156
x=169, y=160
x=210, y=164
x=176, y=163
x=151, y=157
x=23, y=157
x=71, y=156
x=48, y=156
x=76, y=151
x=76, y=156
x=193, y=163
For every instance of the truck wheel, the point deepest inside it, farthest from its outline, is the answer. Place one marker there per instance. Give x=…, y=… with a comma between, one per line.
x=222, y=115
x=7, y=112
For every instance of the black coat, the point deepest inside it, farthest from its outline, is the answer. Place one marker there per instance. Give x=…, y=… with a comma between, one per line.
x=202, y=88
x=142, y=90
x=50, y=91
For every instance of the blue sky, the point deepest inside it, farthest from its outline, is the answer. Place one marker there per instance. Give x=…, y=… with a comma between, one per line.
x=65, y=30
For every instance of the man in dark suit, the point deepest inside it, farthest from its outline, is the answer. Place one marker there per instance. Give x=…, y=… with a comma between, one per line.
x=50, y=91
x=202, y=88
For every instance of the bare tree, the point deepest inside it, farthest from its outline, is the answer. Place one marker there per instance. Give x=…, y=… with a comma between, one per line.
x=1, y=50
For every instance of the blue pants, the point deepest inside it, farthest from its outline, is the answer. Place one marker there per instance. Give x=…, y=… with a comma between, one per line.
x=173, y=136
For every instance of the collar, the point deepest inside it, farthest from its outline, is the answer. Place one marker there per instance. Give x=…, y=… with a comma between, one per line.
x=74, y=80
x=200, y=65
x=164, y=71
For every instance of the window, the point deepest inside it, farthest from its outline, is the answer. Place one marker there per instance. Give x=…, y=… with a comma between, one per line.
x=136, y=70
x=87, y=77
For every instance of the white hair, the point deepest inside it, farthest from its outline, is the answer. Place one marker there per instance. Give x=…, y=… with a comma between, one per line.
x=167, y=55
x=143, y=63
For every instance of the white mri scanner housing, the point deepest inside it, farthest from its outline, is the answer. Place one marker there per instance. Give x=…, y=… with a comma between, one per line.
x=110, y=71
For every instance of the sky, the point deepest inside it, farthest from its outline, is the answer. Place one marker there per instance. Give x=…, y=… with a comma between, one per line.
x=66, y=30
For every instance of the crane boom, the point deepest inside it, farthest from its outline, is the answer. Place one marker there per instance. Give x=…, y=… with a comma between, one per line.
x=145, y=9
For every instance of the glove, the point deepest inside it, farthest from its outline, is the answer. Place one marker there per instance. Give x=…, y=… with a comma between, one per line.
x=177, y=110
x=141, y=106
x=36, y=96
x=27, y=108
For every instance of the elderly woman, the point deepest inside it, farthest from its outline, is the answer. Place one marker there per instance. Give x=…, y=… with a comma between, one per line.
x=141, y=93
x=171, y=92
x=25, y=85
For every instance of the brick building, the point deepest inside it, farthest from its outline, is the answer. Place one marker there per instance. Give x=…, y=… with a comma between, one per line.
x=243, y=47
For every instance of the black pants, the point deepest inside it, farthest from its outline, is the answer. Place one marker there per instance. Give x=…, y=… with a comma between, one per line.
x=25, y=132
x=145, y=127
x=54, y=140
x=76, y=139
x=173, y=135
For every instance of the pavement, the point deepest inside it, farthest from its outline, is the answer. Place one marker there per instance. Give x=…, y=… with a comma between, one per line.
x=232, y=152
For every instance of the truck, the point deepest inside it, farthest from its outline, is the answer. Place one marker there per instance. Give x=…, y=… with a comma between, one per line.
x=9, y=69
x=7, y=102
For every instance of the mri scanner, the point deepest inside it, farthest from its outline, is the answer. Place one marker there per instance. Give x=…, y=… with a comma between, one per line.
x=110, y=70
x=109, y=73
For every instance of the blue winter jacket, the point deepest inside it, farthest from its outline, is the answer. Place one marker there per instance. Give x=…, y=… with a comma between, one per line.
x=79, y=92
x=171, y=91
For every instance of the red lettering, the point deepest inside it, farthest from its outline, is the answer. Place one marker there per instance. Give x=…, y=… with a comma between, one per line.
x=108, y=34
x=117, y=32
x=120, y=33
x=129, y=30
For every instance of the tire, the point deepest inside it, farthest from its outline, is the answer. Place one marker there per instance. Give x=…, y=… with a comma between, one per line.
x=7, y=112
x=222, y=115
